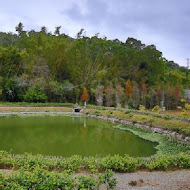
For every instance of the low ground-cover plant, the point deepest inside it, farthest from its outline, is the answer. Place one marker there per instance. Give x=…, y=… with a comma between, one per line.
x=165, y=144
x=96, y=164
x=38, y=178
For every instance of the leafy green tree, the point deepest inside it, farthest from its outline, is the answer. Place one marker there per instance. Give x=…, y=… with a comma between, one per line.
x=19, y=28
x=44, y=29
x=61, y=65
x=57, y=30
x=35, y=94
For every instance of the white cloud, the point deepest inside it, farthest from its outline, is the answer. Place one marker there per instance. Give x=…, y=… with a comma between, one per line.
x=163, y=23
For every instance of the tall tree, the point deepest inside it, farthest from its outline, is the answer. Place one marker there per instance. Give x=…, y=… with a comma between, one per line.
x=19, y=28
x=85, y=96
x=99, y=95
x=177, y=95
x=135, y=96
x=152, y=97
x=143, y=93
x=128, y=90
x=57, y=30
x=119, y=92
x=44, y=29
x=169, y=97
x=109, y=92
x=159, y=95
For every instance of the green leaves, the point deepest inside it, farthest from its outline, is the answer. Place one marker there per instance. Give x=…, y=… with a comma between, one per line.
x=38, y=178
x=35, y=94
x=95, y=164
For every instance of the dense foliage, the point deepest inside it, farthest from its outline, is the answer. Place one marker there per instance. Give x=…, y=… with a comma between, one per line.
x=95, y=164
x=38, y=178
x=46, y=67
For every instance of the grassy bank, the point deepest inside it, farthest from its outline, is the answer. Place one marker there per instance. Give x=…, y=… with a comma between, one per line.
x=27, y=104
x=34, y=109
x=166, y=123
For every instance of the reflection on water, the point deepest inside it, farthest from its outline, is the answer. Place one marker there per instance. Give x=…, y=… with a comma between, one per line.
x=65, y=136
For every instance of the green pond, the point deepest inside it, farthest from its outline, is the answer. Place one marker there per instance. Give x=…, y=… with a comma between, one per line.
x=66, y=136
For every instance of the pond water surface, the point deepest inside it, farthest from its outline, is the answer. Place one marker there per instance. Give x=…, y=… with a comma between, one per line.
x=66, y=136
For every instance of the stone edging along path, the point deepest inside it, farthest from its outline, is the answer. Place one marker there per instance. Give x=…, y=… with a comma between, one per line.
x=154, y=129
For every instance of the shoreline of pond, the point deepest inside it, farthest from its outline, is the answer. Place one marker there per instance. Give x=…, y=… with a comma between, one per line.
x=168, y=141
x=155, y=129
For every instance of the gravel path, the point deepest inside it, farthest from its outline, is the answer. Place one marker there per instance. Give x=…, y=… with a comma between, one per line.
x=173, y=180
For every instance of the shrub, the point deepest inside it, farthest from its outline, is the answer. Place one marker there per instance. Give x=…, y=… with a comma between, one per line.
x=119, y=106
x=187, y=106
x=142, y=108
x=97, y=112
x=130, y=115
x=184, y=113
x=156, y=109
x=37, y=178
x=167, y=117
x=127, y=111
x=183, y=100
x=35, y=94
x=94, y=164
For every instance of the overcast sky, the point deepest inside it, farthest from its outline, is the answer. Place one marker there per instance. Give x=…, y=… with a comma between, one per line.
x=164, y=23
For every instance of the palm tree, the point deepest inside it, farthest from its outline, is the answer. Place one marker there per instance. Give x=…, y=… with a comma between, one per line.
x=19, y=28
x=57, y=30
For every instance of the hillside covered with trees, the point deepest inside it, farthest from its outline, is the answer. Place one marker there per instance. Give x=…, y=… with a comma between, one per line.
x=45, y=67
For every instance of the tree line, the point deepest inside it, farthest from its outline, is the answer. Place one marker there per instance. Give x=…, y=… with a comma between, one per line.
x=38, y=66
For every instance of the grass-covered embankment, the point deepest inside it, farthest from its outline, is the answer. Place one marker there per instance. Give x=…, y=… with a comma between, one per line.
x=151, y=120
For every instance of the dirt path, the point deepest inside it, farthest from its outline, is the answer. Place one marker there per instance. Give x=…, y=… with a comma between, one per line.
x=173, y=180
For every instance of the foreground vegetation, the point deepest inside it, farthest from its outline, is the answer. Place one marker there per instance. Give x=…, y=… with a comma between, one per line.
x=96, y=164
x=38, y=172
x=38, y=178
